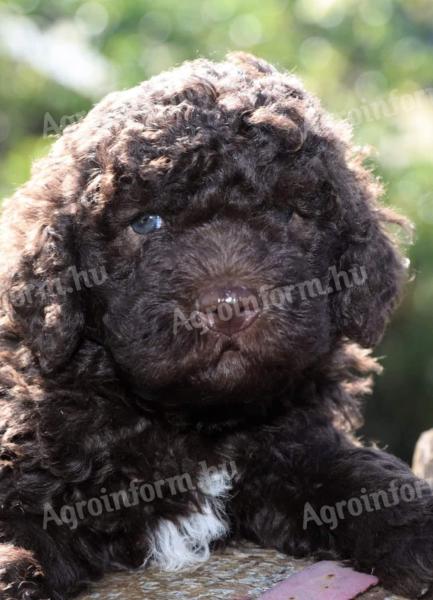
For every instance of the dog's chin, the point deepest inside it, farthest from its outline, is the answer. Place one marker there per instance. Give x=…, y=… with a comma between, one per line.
x=220, y=369
x=237, y=376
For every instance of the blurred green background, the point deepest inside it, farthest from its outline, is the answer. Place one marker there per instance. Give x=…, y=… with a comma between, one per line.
x=371, y=62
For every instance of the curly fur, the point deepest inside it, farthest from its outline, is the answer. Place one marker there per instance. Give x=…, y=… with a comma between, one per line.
x=95, y=389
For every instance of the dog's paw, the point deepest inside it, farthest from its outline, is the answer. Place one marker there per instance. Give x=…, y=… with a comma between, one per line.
x=21, y=577
x=407, y=569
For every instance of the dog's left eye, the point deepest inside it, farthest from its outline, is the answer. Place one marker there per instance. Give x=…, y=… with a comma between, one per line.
x=146, y=224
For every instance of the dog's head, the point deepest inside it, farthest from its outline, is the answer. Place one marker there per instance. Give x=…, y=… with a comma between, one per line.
x=212, y=228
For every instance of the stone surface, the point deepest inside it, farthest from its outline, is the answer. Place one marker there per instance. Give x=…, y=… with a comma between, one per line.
x=235, y=573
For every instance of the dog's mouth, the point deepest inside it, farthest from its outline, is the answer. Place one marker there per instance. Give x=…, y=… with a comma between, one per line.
x=226, y=351
x=229, y=345
x=229, y=354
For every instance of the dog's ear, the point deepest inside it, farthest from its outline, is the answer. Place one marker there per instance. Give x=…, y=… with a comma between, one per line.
x=370, y=274
x=39, y=280
x=369, y=269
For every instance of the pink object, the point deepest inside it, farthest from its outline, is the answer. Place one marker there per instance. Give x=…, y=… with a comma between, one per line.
x=325, y=580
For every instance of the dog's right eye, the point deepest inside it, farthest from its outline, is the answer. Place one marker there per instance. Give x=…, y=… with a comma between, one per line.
x=286, y=214
x=146, y=224
x=289, y=213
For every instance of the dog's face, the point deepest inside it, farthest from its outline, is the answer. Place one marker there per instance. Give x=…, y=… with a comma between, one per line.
x=215, y=294
x=219, y=200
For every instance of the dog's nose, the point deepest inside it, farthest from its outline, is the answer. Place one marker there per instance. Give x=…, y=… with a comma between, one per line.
x=229, y=308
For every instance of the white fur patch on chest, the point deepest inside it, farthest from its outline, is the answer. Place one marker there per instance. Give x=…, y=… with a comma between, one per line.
x=185, y=543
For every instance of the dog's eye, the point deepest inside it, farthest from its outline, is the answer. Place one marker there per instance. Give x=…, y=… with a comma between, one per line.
x=146, y=224
x=286, y=214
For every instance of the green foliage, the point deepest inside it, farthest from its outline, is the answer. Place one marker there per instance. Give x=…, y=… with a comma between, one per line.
x=370, y=61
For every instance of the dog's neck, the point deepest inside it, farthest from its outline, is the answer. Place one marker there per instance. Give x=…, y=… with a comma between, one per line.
x=193, y=410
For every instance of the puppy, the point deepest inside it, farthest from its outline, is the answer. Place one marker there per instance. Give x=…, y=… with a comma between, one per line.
x=187, y=281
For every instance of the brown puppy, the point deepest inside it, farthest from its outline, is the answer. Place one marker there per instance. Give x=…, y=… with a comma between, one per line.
x=185, y=280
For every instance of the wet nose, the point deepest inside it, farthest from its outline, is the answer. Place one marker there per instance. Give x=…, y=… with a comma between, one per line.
x=229, y=308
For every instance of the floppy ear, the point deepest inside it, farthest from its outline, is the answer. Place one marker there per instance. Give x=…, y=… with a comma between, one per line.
x=364, y=305
x=369, y=266
x=39, y=280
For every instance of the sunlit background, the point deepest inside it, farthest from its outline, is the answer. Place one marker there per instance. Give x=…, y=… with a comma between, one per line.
x=371, y=62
